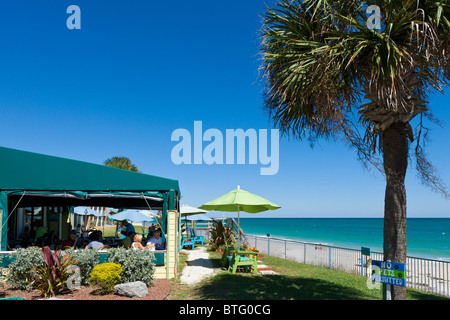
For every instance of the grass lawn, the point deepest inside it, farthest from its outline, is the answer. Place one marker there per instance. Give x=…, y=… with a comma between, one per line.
x=294, y=281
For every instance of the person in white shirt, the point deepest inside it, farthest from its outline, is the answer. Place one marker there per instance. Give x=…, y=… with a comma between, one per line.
x=156, y=240
x=96, y=243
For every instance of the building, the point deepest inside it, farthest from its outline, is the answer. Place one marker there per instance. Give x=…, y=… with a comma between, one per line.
x=46, y=188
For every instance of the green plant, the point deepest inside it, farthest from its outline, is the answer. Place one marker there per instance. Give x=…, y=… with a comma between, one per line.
x=220, y=236
x=3, y=274
x=86, y=261
x=51, y=278
x=106, y=275
x=137, y=265
x=21, y=272
x=121, y=163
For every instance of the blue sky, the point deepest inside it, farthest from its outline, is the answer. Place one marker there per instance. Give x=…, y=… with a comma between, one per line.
x=137, y=71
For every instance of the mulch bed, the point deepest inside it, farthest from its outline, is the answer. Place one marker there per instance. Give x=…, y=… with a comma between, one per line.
x=159, y=291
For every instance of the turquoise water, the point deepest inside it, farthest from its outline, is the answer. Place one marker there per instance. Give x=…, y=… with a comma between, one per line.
x=427, y=237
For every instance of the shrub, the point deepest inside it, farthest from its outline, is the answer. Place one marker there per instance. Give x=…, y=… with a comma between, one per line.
x=21, y=273
x=106, y=275
x=4, y=271
x=86, y=261
x=220, y=236
x=51, y=278
x=137, y=265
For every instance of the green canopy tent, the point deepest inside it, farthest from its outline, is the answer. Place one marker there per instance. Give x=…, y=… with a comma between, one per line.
x=240, y=200
x=30, y=179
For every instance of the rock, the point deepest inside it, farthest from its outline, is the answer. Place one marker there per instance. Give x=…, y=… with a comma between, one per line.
x=135, y=289
x=267, y=272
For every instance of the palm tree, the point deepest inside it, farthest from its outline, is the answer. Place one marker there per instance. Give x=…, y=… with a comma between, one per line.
x=121, y=163
x=328, y=75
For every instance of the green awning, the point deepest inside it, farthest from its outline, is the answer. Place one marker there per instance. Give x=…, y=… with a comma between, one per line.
x=31, y=180
x=22, y=170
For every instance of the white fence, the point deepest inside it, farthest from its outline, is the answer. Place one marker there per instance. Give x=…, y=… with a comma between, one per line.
x=427, y=275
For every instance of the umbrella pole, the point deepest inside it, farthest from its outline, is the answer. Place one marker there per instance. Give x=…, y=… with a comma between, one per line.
x=239, y=229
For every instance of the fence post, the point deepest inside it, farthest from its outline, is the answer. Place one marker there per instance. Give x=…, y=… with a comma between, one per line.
x=304, y=253
x=361, y=258
x=329, y=257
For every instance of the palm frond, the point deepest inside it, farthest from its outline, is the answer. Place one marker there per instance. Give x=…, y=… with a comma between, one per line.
x=322, y=65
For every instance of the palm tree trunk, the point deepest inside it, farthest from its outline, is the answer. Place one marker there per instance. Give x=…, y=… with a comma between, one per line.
x=395, y=157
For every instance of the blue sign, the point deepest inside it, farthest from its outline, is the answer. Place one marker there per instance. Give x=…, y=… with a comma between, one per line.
x=387, y=272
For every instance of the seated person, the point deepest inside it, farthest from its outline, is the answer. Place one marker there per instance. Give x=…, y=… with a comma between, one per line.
x=151, y=229
x=156, y=240
x=39, y=232
x=71, y=241
x=97, y=242
x=128, y=240
x=137, y=245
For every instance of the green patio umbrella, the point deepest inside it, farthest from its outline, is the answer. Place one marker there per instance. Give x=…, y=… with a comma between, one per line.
x=240, y=200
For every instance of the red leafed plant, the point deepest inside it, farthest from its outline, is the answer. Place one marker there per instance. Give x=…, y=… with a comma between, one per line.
x=52, y=278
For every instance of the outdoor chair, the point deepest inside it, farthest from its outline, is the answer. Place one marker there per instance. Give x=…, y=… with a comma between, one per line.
x=241, y=258
x=197, y=239
x=227, y=253
x=187, y=242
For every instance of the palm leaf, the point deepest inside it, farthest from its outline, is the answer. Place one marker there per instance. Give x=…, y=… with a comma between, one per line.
x=322, y=66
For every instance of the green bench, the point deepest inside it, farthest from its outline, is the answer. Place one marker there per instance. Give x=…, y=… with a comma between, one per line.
x=240, y=258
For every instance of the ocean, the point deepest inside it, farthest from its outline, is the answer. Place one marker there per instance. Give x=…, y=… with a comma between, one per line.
x=426, y=237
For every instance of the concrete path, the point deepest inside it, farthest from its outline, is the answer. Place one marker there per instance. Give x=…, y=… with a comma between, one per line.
x=198, y=266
